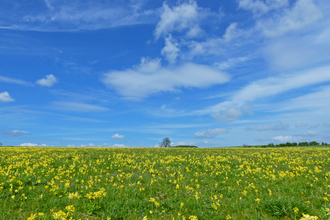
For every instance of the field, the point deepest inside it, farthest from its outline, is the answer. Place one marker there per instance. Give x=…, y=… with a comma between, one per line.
x=145, y=183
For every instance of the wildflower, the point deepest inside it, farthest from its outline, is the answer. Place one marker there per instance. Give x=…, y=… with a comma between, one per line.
x=59, y=215
x=32, y=217
x=257, y=200
x=296, y=210
x=228, y=217
x=74, y=195
x=70, y=209
x=308, y=217
x=193, y=217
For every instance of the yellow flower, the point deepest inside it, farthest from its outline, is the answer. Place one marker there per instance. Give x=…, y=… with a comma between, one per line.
x=296, y=210
x=228, y=217
x=32, y=217
x=308, y=217
x=257, y=200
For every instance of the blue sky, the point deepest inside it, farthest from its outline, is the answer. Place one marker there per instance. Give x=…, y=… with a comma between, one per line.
x=129, y=73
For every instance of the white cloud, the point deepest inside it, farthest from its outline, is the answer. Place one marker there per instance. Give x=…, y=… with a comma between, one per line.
x=182, y=17
x=118, y=145
x=28, y=145
x=79, y=15
x=15, y=81
x=259, y=7
x=5, y=97
x=14, y=133
x=117, y=136
x=48, y=81
x=211, y=133
x=310, y=134
x=77, y=107
x=230, y=114
x=70, y=145
x=171, y=49
x=313, y=100
x=272, y=86
x=231, y=32
x=195, y=31
x=141, y=82
x=284, y=138
x=232, y=62
x=303, y=13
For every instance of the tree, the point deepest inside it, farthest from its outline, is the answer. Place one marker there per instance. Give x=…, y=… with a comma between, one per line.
x=165, y=143
x=0, y=144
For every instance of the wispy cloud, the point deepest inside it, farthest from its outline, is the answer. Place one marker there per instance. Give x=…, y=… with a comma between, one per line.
x=211, y=133
x=261, y=7
x=14, y=133
x=278, y=127
x=76, y=15
x=270, y=87
x=77, y=107
x=15, y=81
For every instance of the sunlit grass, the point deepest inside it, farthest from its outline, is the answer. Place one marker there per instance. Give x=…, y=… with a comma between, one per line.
x=144, y=183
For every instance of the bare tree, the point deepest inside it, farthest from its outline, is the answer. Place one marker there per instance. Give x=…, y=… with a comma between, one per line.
x=165, y=143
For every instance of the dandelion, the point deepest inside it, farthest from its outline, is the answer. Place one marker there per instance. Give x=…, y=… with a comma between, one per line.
x=257, y=200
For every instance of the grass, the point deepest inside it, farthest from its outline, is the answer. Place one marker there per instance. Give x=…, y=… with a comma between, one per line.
x=179, y=183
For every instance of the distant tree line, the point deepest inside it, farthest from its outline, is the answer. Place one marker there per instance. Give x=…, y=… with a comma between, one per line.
x=186, y=146
x=289, y=144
